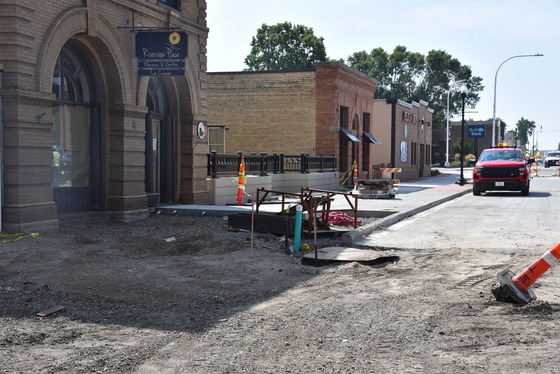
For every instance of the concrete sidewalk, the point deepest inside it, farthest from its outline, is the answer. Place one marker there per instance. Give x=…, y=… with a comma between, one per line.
x=413, y=197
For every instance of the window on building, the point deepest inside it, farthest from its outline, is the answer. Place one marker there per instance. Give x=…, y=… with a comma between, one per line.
x=171, y=3
x=404, y=151
x=72, y=86
x=216, y=139
x=344, y=116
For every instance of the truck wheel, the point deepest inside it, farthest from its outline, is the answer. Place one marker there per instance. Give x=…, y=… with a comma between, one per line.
x=476, y=191
x=525, y=192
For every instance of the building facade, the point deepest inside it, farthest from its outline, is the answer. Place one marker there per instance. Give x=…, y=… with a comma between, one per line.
x=89, y=125
x=323, y=110
x=405, y=133
x=478, y=137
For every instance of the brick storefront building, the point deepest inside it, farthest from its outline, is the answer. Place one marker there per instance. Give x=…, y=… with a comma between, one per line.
x=405, y=132
x=82, y=131
x=323, y=110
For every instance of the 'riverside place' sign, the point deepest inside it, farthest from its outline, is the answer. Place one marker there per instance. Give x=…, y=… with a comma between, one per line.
x=161, y=53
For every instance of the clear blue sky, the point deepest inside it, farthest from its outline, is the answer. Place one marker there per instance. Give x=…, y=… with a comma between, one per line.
x=480, y=33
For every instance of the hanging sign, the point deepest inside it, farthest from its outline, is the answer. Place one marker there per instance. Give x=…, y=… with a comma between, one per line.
x=161, y=53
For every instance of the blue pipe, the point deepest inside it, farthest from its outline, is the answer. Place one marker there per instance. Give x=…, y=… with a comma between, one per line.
x=297, y=230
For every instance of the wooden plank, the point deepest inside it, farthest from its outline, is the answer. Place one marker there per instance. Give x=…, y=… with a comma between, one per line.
x=52, y=310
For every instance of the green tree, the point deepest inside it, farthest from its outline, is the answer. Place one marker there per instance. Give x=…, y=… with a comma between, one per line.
x=469, y=146
x=524, y=130
x=284, y=47
x=412, y=76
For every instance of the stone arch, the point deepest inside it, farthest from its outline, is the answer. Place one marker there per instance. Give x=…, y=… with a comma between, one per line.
x=73, y=24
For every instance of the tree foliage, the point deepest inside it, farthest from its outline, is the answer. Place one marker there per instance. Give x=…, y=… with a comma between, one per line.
x=524, y=130
x=469, y=146
x=410, y=76
x=284, y=47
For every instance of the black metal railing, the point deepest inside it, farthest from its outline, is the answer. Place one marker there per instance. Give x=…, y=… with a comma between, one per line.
x=224, y=164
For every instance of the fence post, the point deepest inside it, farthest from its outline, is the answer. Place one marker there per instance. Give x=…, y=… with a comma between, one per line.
x=281, y=168
x=213, y=165
x=263, y=164
x=275, y=163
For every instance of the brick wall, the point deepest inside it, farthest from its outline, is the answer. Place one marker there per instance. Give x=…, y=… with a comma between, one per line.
x=264, y=112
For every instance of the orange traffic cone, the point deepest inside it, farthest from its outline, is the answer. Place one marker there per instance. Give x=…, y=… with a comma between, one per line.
x=241, y=180
x=515, y=288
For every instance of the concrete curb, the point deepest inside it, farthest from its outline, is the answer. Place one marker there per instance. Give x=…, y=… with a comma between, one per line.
x=348, y=238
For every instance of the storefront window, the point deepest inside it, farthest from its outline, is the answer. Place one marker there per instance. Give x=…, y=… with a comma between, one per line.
x=71, y=122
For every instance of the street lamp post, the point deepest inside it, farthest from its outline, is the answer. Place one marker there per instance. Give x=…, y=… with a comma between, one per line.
x=447, y=134
x=462, y=181
x=495, y=83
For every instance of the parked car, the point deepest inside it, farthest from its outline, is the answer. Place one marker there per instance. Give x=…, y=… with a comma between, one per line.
x=552, y=159
x=502, y=169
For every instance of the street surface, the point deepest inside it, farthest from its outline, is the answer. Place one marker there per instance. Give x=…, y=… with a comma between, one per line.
x=502, y=221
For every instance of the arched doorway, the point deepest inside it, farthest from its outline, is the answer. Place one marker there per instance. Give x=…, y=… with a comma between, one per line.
x=159, y=177
x=76, y=128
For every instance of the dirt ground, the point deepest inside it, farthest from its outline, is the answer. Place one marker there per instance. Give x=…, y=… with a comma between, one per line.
x=209, y=302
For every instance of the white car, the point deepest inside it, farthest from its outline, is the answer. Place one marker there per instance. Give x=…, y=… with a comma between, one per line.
x=552, y=159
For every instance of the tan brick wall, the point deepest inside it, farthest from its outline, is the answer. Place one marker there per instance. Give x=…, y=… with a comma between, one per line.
x=381, y=129
x=264, y=112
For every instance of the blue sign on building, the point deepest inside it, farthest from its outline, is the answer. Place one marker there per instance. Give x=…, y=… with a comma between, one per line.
x=161, y=53
x=476, y=131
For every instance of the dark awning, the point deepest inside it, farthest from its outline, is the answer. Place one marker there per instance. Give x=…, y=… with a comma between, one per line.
x=348, y=135
x=370, y=138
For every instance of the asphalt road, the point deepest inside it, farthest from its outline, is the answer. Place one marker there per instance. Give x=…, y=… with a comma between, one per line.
x=502, y=221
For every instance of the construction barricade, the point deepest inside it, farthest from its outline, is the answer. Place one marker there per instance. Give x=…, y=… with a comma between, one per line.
x=381, y=185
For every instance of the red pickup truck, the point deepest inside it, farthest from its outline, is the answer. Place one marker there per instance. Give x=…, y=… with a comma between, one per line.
x=502, y=169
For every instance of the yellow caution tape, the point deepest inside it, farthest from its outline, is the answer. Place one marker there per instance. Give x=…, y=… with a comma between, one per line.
x=17, y=237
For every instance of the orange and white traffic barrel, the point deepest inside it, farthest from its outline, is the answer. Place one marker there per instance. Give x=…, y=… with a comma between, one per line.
x=515, y=288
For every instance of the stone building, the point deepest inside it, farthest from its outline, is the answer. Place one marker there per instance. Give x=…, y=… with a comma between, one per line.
x=323, y=110
x=405, y=132
x=100, y=103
